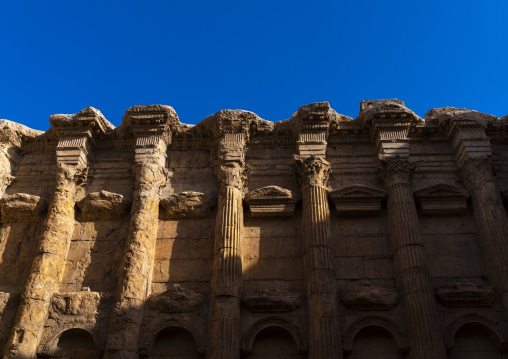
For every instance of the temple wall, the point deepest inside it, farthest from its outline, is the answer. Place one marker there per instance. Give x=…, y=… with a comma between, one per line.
x=320, y=236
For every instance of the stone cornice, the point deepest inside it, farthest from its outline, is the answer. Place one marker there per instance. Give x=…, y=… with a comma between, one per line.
x=215, y=126
x=77, y=135
x=88, y=122
x=151, y=122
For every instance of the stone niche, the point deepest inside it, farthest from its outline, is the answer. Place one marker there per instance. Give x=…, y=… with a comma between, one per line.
x=357, y=200
x=103, y=205
x=271, y=201
x=186, y=205
x=22, y=207
x=441, y=199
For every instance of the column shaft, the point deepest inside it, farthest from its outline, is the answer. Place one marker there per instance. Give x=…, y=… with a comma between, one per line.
x=491, y=220
x=47, y=268
x=313, y=174
x=138, y=263
x=223, y=334
x=324, y=333
x=413, y=274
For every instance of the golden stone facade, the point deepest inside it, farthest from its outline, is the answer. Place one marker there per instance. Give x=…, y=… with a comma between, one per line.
x=319, y=237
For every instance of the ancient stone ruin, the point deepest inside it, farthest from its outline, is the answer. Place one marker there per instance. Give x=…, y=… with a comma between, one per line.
x=320, y=237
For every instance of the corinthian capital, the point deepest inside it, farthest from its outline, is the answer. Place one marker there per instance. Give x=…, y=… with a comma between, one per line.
x=395, y=169
x=149, y=176
x=232, y=174
x=476, y=171
x=68, y=173
x=312, y=171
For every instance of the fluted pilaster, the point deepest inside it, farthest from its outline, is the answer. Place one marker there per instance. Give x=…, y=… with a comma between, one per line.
x=410, y=261
x=491, y=219
x=313, y=175
x=226, y=287
x=137, y=263
x=48, y=266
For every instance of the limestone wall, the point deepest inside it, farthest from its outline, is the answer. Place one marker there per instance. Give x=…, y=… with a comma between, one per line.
x=321, y=236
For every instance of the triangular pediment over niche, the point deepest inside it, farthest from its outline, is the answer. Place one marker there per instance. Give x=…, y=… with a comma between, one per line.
x=357, y=191
x=357, y=200
x=441, y=199
x=441, y=191
x=271, y=201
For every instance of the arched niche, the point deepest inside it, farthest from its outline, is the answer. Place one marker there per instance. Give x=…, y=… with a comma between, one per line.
x=375, y=324
x=75, y=343
x=474, y=337
x=172, y=331
x=174, y=343
x=278, y=326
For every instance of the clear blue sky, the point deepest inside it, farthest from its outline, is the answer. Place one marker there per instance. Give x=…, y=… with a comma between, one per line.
x=269, y=57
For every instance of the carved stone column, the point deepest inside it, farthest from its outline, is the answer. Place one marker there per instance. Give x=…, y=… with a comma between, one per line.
x=137, y=262
x=76, y=137
x=491, y=219
x=410, y=260
x=226, y=287
x=150, y=126
x=466, y=133
x=48, y=266
x=324, y=333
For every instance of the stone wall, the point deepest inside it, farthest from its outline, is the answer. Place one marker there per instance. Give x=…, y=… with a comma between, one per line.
x=320, y=236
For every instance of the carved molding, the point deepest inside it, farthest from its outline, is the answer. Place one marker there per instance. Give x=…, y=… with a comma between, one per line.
x=75, y=304
x=369, y=298
x=312, y=171
x=103, y=205
x=441, y=199
x=22, y=207
x=466, y=295
x=271, y=201
x=272, y=300
x=469, y=318
x=395, y=169
x=50, y=347
x=357, y=200
x=270, y=322
x=374, y=321
x=176, y=300
x=87, y=122
x=150, y=123
x=186, y=205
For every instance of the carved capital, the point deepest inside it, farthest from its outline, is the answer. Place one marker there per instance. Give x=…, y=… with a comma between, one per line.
x=476, y=171
x=395, y=169
x=312, y=171
x=232, y=174
x=149, y=176
x=68, y=173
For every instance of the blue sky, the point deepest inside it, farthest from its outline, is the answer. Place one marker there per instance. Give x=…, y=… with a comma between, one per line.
x=269, y=57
